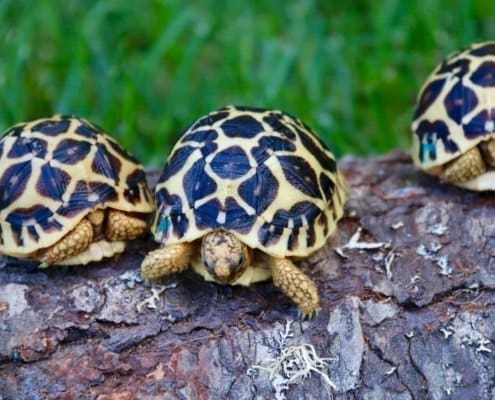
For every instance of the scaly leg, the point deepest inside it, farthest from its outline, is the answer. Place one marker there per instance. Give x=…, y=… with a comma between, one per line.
x=122, y=226
x=71, y=244
x=167, y=260
x=465, y=167
x=295, y=284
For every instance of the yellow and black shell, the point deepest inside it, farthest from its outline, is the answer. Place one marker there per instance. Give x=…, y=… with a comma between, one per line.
x=455, y=110
x=262, y=175
x=53, y=172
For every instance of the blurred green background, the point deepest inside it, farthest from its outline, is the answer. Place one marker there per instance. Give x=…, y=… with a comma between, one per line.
x=145, y=70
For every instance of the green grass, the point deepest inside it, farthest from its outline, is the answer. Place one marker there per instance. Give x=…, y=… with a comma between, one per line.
x=145, y=70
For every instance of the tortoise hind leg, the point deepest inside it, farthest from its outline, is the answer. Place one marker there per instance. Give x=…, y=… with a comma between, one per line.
x=71, y=244
x=295, y=284
x=465, y=167
x=167, y=260
x=122, y=226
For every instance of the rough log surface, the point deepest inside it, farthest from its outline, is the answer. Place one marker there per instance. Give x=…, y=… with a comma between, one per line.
x=410, y=318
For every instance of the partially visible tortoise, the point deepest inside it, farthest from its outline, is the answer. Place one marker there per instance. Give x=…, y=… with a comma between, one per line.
x=69, y=193
x=454, y=121
x=244, y=192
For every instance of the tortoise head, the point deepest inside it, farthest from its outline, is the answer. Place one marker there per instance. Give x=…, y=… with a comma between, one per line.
x=224, y=256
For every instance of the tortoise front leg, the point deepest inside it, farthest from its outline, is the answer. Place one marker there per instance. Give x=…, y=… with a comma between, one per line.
x=295, y=284
x=121, y=226
x=167, y=260
x=71, y=244
x=465, y=167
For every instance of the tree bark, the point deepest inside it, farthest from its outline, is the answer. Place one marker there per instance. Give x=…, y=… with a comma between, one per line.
x=407, y=311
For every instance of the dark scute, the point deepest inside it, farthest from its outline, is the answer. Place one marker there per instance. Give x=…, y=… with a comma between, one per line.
x=327, y=186
x=26, y=145
x=460, y=101
x=200, y=136
x=168, y=201
x=484, y=75
x=106, y=164
x=428, y=96
x=176, y=162
x=427, y=131
x=293, y=241
x=455, y=66
x=250, y=109
x=15, y=131
x=52, y=127
x=209, y=120
x=180, y=224
x=260, y=190
x=1, y=149
x=80, y=198
x=197, y=184
x=242, y=126
x=267, y=145
x=275, y=121
x=13, y=183
x=318, y=149
x=322, y=220
x=311, y=236
x=52, y=182
x=121, y=152
x=299, y=210
x=70, y=151
x=269, y=235
x=41, y=215
x=134, y=183
x=486, y=50
x=208, y=148
x=87, y=130
x=300, y=175
x=206, y=215
x=32, y=233
x=237, y=218
x=476, y=127
x=104, y=191
x=231, y=163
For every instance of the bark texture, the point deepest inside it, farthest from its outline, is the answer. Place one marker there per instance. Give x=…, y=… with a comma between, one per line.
x=407, y=312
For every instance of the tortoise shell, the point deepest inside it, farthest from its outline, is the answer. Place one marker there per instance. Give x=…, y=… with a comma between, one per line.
x=455, y=109
x=261, y=174
x=53, y=172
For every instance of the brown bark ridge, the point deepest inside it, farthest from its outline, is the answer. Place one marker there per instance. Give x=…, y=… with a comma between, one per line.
x=407, y=312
